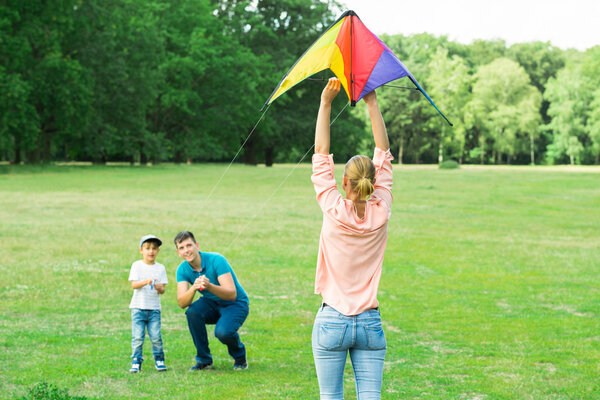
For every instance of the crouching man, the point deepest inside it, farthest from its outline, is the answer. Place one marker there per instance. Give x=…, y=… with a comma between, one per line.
x=222, y=302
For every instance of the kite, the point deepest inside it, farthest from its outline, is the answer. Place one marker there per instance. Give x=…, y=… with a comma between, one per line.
x=359, y=59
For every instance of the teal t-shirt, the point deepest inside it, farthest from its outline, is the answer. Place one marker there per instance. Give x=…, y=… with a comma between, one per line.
x=213, y=266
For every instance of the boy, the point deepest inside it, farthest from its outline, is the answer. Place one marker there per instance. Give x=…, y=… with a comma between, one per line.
x=222, y=301
x=148, y=279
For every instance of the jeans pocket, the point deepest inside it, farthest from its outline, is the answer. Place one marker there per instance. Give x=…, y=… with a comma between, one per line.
x=331, y=336
x=375, y=337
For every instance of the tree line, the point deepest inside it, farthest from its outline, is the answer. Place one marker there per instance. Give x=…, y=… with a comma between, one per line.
x=184, y=80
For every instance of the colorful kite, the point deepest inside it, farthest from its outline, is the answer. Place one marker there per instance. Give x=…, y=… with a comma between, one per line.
x=356, y=56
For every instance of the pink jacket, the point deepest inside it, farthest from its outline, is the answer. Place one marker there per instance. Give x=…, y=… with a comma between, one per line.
x=351, y=249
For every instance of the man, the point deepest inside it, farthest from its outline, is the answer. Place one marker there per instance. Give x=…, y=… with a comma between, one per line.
x=222, y=301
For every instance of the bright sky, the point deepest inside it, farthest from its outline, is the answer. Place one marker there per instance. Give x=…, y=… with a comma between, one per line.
x=566, y=24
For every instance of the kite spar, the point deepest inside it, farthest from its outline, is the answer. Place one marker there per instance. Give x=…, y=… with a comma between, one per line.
x=359, y=59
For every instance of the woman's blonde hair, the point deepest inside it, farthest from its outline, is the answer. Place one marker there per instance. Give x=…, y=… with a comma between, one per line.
x=360, y=171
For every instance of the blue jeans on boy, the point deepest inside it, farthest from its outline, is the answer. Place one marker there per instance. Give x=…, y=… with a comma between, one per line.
x=228, y=318
x=334, y=335
x=140, y=320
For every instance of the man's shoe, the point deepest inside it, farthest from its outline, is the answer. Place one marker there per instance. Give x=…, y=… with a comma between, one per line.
x=240, y=364
x=135, y=368
x=160, y=365
x=201, y=366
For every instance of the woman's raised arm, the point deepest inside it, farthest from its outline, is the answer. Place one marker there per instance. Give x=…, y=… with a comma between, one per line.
x=379, y=131
x=322, y=134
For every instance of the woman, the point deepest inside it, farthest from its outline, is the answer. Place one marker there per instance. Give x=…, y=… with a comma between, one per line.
x=351, y=247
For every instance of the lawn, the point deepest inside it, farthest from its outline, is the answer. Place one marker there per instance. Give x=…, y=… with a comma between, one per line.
x=490, y=287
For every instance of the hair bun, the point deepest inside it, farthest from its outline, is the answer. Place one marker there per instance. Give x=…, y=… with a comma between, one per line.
x=360, y=171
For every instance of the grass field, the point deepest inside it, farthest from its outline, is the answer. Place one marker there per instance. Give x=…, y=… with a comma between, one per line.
x=490, y=287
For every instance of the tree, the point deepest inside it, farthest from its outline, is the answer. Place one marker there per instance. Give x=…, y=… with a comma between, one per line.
x=120, y=46
x=483, y=52
x=450, y=83
x=568, y=94
x=507, y=107
x=572, y=96
x=18, y=119
x=540, y=60
x=41, y=77
x=278, y=33
x=208, y=84
x=411, y=120
x=593, y=125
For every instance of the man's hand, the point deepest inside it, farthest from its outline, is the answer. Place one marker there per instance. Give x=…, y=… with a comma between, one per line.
x=201, y=283
x=330, y=91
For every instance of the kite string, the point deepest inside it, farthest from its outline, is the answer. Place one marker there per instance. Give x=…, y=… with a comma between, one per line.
x=280, y=185
x=268, y=199
x=336, y=117
x=236, y=154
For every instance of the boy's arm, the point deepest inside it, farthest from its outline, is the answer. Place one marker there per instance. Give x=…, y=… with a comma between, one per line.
x=161, y=282
x=160, y=288
x=141, y=284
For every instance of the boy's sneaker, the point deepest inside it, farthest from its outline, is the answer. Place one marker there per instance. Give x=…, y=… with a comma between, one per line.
x=135, y=368
x=160, y=365
x=240, y=364
x=201, y=366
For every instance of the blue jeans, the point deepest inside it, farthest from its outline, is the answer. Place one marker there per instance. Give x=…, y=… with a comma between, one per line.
x=334, y=335
x=228, y=318
x=140, y=320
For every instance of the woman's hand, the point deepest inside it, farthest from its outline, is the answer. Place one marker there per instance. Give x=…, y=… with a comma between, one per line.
x=330, y=91
x=370, y=98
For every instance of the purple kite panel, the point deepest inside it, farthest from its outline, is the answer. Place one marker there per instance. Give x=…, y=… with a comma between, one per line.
x=387, y=69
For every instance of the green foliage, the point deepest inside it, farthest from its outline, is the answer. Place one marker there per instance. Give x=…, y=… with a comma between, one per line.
x=593, y=126
x=47, y=95
x=483, y=52
x=18, y=119
x=506, y=105
x=450, y=83
x=540, y=60
x=573, y=100
x=449, y=164
x=45, y=391
x=154, y=80
x=409, y=117
x=279, y=32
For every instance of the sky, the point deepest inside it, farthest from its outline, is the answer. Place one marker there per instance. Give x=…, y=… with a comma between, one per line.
x=566, y=24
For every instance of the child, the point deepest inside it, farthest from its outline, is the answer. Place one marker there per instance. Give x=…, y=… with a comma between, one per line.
x=148, y=279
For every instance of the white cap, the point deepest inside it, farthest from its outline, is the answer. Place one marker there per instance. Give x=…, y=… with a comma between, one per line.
x=150, y=237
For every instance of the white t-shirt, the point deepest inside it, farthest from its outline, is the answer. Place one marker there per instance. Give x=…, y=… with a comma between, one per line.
x=144, y=297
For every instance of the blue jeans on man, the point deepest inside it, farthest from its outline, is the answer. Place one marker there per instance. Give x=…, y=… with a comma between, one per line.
x=142, y=320
x=334, y=336
x=228, y=317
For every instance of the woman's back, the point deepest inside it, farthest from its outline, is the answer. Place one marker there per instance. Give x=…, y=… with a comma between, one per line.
x=351, y=247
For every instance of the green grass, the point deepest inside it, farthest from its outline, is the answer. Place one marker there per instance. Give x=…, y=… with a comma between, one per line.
x=489, y=290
